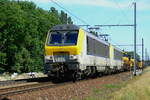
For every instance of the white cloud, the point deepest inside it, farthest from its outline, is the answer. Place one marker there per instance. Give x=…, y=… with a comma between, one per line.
x=101, y=3
x=141, y=4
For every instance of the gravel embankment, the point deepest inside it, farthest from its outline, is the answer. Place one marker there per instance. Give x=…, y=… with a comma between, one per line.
x=76, y=91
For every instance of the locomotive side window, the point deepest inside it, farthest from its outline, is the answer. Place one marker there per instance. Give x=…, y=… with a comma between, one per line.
x=97, y=48
x=117, y=54
x=101, y=49
x=90, y=46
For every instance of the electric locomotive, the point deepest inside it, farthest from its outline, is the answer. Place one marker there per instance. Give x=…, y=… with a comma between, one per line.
x=71, y=52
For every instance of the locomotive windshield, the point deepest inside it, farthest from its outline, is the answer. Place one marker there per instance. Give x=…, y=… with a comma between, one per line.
x=61, y=38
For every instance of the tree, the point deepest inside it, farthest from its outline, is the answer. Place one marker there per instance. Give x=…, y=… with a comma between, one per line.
x=70, y=20
x=23, y=30
x=64, y=18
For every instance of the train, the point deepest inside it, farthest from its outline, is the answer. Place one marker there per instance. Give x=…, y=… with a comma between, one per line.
x=72, y=52
x=128, y=62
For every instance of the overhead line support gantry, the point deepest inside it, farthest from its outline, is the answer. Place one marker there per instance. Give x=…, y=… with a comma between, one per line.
x=134, y=25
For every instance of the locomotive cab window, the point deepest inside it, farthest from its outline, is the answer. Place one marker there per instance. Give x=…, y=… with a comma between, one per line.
x=62, y=38
x=71, y=38
x=55, y=38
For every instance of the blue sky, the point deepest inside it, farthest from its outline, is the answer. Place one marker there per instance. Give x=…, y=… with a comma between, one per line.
x=96, y=12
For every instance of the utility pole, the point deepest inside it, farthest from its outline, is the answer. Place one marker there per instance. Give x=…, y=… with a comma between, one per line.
x=135, y=60
x=134, y=25
x=146, y=54
x=146, y=57
x=135, y=39
x=142, y=53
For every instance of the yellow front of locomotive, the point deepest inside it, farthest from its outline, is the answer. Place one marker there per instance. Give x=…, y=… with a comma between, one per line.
x=63, y=47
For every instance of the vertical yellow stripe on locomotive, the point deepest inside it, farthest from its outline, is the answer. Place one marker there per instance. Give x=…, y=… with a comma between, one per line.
x=80, y=41
x=111, y=51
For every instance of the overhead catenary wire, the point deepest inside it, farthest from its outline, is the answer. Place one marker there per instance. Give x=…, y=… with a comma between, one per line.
x=121, y=10
x=128, y=45
x=56, y=3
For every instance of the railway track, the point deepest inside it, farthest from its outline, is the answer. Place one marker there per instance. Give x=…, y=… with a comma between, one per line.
x=22, y=81
x=10, y=91
x=11, y=82
x=16, y=90
x=4, y=92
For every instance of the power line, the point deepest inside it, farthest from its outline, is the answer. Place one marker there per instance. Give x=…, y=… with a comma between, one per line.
x=121, y=10
x=114, y=25
x=69, y=12
x=129, y=45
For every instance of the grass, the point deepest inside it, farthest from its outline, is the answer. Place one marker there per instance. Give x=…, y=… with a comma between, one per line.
x=97, y=91
x=136, y=89
x=112, y=86
x=104, y=92
x=90, y=98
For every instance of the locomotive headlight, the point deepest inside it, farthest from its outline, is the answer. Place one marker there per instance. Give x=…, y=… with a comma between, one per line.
x=48, y=58
x=73, y=57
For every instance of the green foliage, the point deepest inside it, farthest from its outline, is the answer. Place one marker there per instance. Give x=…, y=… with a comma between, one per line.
x=65, y=19
x=23, y=29
x=97, y=91
x=70, y=20
x=112, y=86
x=89, y=98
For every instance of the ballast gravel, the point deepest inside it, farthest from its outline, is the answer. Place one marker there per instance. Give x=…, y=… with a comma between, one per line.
x=76, y=91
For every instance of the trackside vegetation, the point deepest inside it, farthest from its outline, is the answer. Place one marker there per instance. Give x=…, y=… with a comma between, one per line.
x=137, y=88
x=23, y=30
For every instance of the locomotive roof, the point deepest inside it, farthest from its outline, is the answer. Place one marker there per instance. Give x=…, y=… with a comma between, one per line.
x=64, y=27
x=117, y=48
x=97, y=38
x=103, y=41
